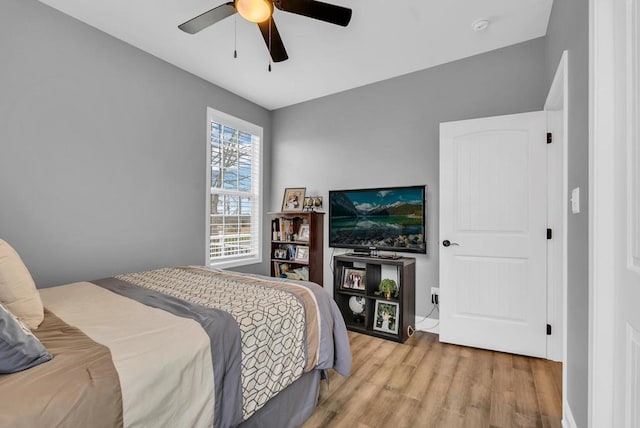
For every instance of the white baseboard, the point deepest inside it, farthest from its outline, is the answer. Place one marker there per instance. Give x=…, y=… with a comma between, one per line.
x=567, y=416
x=430, y=325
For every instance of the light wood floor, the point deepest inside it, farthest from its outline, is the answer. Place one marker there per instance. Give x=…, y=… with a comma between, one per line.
x=425, y=383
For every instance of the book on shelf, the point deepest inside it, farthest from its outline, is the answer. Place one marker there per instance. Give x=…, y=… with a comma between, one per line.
x=286, y=270
x=286, y=229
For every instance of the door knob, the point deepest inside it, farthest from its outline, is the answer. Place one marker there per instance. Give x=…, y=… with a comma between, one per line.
x=447, y=243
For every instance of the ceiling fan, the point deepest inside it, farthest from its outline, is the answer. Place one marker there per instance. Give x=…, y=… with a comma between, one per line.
x=261, y=11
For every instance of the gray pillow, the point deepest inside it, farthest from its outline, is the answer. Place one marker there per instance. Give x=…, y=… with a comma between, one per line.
x=19, y=348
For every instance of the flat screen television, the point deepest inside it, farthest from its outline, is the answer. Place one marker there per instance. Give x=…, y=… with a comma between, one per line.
x=383, y=219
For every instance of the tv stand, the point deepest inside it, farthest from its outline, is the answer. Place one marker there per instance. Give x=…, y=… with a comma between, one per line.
x=369, y=303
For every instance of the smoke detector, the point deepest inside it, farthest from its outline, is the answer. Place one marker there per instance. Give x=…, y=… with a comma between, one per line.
x=480, y=24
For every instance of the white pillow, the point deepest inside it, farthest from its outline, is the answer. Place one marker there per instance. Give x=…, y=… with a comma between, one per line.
x=18, y=292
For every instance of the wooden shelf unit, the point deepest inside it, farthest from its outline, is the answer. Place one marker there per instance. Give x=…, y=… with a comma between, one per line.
x=282, y=239
x=377, y=269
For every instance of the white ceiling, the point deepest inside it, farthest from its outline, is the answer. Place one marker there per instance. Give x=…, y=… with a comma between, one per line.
x=386, y=38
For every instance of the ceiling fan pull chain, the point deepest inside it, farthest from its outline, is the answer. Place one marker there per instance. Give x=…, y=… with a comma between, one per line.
x=270, y=21
x=235, y=36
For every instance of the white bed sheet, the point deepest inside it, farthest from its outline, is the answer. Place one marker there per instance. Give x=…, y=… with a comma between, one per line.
x=163, y=361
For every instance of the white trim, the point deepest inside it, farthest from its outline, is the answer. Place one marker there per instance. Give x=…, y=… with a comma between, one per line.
x=632, y=346
x=601, y=212
x=568, y=420
x=221, y=117
x=556, y=108
x=430, y=325
x=207, y=167
x=630, y=123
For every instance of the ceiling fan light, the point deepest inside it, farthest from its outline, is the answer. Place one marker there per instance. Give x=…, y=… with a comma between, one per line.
x=254, y=10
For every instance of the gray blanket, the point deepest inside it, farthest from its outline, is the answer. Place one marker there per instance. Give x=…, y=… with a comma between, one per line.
x=226, y=338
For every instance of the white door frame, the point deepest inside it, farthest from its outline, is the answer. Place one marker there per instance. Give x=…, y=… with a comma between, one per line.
x=557, y=109
x=557, y=197
x=602, y=103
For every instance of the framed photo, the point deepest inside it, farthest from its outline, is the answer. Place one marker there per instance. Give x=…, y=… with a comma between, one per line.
x=293, y=199
x=353, y=278
x=280, y=253
x=302, y=253
x=386, y=317
x=303, y=233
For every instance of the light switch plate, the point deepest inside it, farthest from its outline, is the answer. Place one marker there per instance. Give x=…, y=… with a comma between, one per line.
x=575, y=200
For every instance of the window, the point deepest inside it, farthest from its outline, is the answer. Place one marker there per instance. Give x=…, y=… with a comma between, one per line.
x=233, y=196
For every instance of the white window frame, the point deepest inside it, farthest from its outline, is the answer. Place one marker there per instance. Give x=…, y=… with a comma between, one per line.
x=256, y=215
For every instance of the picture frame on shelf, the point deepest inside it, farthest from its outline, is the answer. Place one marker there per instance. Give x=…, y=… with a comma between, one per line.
x=302, y=253
x=386, y=316
x=280, y=253
x=291, y=250
x=293, y=199
x=353, y=278
x=307, y=203
x=304, y=232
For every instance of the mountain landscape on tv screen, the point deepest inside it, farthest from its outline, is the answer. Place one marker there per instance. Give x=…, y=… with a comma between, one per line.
x=391, y=220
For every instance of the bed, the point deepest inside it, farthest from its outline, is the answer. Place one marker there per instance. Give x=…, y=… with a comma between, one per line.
x=179, y=347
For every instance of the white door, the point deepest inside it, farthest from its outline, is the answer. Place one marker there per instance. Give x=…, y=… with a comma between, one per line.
x=627, y=206
x=615, y=216
x=493, y=232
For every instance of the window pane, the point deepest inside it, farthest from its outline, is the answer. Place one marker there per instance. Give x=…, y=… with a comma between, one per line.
x=216, y=247
x=230, y=178
x=245, y=206
x=217, y=225
x=244, y=172
x=233, y=212
x=245, y=139
x=231, y=205
x=228, y=134
x=216, y=129
x=231, y=226
x=216, y=177
x=216, y=155
x=245, y=225
x=217, y=203
x=230, y=168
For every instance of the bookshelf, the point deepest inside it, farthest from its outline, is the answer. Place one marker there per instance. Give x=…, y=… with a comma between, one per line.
x=297, y=245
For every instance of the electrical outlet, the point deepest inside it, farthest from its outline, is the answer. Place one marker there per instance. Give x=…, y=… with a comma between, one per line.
x=435, y=294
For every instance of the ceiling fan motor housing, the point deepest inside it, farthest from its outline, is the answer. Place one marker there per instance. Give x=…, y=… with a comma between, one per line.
x=254, y=10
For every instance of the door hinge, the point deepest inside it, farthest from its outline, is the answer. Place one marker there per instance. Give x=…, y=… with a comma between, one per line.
x=549, y=138
x=549, y=233
x=548, y=329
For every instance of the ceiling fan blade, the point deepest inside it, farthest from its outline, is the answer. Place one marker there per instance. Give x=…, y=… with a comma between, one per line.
x=278, y=52
x=318, y=10
x=206, y=19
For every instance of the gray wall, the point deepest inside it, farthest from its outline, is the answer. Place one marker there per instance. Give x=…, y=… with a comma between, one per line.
x=102, y=150
x=387, y=134
x=569, y=30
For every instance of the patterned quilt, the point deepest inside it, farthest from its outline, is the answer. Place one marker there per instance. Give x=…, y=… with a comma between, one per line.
x=279, y=323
